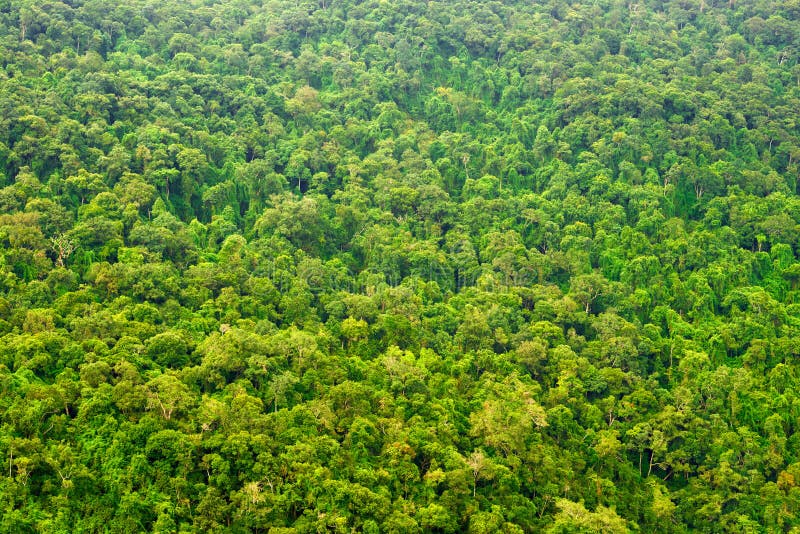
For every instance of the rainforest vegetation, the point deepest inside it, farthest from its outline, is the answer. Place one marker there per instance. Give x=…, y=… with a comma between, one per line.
x=399, y=266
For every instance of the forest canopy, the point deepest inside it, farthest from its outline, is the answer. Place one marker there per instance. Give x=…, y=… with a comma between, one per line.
x=367, y=266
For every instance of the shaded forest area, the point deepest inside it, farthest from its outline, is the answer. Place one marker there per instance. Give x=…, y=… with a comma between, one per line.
x=368, y=266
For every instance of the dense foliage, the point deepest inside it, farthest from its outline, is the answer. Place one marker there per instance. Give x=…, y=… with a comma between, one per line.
x=369, y=266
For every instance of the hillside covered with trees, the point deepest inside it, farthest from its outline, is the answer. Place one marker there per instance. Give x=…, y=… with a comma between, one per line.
x=398, y=266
